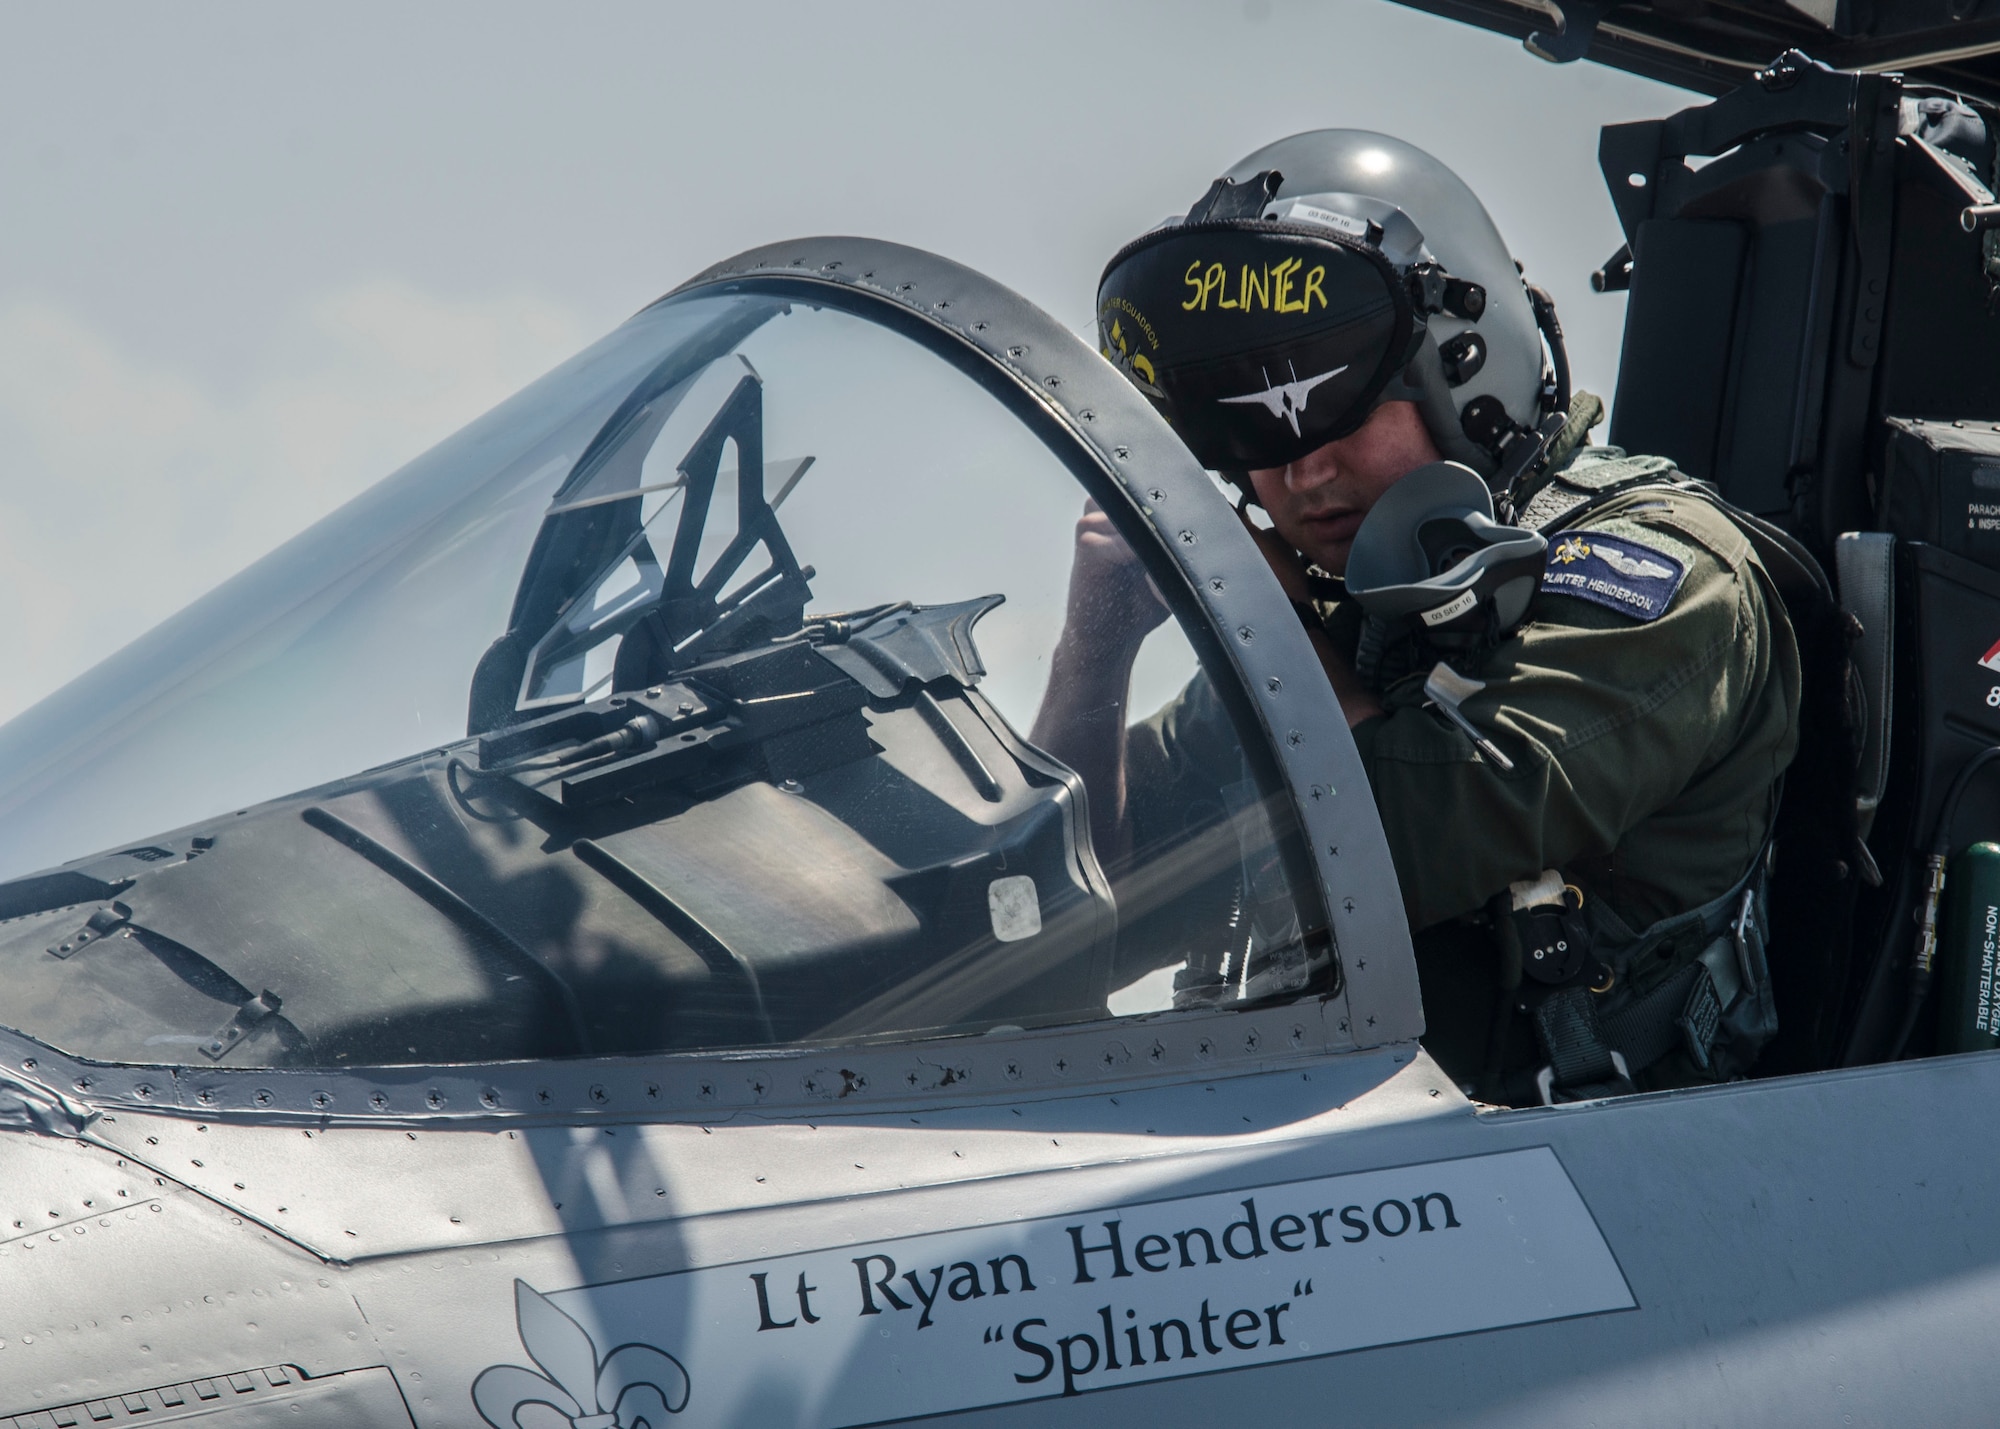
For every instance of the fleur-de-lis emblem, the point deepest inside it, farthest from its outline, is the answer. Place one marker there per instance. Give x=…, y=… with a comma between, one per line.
x=1571, y=550
x=635, y=1385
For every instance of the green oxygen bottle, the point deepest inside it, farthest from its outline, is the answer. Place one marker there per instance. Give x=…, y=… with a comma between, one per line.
x=1969, y=951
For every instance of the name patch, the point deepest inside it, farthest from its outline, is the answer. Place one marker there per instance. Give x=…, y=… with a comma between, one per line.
x=1615, y=573
x=1066, y=1304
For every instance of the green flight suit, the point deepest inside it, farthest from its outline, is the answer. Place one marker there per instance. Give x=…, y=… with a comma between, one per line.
x=1647, y=752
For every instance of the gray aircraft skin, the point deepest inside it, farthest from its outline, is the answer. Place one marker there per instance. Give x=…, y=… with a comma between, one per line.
x=306, y=1123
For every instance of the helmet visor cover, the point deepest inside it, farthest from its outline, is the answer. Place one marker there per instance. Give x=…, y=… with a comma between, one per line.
x=1258, y=341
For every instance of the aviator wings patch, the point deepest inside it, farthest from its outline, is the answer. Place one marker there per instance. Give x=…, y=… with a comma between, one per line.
x=1618, y=574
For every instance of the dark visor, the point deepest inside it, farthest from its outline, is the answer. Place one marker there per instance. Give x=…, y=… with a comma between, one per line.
x=1258, y=341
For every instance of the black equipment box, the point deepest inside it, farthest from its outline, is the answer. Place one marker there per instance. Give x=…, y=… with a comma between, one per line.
x=1948, y=609
x=1941, y=485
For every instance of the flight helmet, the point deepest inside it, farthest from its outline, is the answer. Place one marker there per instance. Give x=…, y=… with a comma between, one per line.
x=1324, y=275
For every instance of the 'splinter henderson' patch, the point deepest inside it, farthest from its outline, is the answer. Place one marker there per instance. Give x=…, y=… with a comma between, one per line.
x=1617, y=574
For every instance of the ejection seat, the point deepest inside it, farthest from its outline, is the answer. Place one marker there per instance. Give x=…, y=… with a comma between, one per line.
x=1812, y=263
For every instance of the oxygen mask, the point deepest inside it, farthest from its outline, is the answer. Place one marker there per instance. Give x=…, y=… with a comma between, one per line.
x=1434, y=573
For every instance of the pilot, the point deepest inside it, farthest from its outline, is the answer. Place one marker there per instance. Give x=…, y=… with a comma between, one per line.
x=1579, y=790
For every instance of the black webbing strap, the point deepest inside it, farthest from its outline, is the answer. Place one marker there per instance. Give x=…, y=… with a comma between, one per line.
x=1585, y=1046
x=1593, y=1052
x=1574, y=1040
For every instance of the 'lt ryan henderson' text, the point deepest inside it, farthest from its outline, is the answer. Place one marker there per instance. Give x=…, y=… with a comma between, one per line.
x=1159, y=1330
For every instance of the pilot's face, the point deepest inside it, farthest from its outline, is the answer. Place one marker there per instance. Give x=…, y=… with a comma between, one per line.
x=1317, y=502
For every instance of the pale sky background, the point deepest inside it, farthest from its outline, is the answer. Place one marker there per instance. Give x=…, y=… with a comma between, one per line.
x=256, y=256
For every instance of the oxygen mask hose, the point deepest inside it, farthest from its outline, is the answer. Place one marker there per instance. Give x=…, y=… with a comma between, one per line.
x=1922, y=967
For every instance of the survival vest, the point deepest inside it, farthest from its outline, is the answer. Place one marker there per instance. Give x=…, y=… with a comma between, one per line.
x=1757, y=969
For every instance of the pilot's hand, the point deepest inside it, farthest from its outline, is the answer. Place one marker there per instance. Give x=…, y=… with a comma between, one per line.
x=1113, y=604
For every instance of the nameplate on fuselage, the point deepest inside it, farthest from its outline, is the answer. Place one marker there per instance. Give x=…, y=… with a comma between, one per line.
x=1073, y=1303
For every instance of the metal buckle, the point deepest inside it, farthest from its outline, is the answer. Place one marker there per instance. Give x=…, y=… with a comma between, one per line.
x=1740, y=931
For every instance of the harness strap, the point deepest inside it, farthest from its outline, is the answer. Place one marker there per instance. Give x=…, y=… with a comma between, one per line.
x=1594, y=1047
x=1584, y=1046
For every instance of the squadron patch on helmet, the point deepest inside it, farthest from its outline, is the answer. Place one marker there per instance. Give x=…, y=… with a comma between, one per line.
x=1129, y=343
x=1618, y=574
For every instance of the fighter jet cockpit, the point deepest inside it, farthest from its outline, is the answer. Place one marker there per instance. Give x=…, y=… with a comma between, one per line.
x=689, y=701
x=820, y=865
x=729, y=688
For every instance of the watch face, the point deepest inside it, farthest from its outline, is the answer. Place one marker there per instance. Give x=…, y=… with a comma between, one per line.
x=1259, y=341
